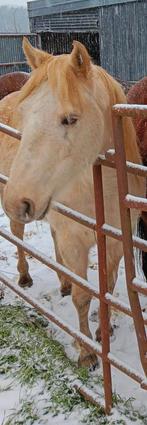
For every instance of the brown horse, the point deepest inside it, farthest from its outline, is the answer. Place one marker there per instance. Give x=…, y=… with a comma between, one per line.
x=64, y=113
x=12, y=82
x=138, y=95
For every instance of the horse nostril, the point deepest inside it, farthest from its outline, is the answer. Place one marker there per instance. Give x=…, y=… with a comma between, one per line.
x=27, y=209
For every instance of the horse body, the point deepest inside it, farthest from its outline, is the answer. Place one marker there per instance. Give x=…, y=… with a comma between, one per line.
x=65, y=115
x=12, y=82
x=138, y=94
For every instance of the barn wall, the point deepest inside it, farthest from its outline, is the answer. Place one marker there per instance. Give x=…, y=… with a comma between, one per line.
x=11, y=54
x=51, y=7
x=81, y=20
x=120, y=25
x=123, y=37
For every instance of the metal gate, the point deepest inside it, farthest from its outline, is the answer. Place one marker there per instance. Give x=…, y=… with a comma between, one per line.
x=114, y=159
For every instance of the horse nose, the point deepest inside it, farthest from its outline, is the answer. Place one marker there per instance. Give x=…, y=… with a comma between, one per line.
x=26, y=210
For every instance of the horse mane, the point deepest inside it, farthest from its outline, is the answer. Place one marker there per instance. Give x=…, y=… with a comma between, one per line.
x=117, y=95
x=36, y=77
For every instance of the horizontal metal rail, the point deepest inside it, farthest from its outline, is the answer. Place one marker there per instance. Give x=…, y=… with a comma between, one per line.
x=109, y=299
x=3, y=179
x=136, y=202
x=79, y=281
x=90, y=222
x=74, y=215
x=84, y=340
x=130, y=110
x=108, y=160
x=119, y=305
x=12, y=63
x=10, y=131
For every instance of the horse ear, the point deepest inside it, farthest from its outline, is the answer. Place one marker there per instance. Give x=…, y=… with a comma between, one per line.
x=35, y=57
x=80, y=58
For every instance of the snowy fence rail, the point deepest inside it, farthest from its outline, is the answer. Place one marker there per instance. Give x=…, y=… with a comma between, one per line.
x=115, y=159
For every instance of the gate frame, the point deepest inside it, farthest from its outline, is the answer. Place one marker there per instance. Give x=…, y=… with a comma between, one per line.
x=114, y=159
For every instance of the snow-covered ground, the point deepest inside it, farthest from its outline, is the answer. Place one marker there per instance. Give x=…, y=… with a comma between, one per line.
x=46, y=289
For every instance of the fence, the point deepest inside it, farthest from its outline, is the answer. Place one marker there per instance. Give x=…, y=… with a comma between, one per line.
x=115, y=159
x=11, y=54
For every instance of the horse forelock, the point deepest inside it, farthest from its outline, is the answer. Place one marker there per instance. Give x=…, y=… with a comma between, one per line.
x=71, y=87
x=68, y=84
x=36, y=78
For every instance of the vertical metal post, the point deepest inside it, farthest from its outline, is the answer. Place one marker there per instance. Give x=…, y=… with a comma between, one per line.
x=103, y=286
x=127, y=241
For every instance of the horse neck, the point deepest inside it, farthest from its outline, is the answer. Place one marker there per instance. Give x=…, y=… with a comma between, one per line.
x=116, y=96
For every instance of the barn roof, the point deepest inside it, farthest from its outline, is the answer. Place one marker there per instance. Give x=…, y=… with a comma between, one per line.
x=50, y=7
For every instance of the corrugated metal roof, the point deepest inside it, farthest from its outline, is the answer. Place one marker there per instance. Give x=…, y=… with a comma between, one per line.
x=50, y=7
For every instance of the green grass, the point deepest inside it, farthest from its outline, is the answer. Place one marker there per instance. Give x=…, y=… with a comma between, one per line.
x=30, y=356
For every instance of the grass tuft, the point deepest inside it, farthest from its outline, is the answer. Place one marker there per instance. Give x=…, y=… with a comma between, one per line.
x=30, y=356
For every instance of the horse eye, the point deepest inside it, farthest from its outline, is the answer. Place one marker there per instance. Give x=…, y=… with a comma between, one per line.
x=69, y=120
x=65, y=121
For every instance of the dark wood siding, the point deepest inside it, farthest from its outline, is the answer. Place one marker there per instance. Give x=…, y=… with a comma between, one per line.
x=58, y=43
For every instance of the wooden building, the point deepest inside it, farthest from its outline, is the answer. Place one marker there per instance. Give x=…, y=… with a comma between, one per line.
x=114, y=31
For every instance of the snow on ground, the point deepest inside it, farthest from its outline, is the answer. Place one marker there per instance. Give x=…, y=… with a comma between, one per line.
x=46, y=289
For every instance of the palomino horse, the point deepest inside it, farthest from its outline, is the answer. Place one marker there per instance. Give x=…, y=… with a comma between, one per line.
x=64, y=113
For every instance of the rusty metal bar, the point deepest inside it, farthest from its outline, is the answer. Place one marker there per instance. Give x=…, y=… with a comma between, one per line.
x=136, y=202
x=132, y=373
x=103, y=285
x=13, y=63
x=74, y=215
x=108, y=160
x=116, y=233
x=88, y=394
x=127, y=242
x=83, y=339
x=10, y=131
x=79, y=281
x=112, y=359
x=3, y=179
x=89, y=222
x=109, y=299
x=130, y=110
x=121, y=306
x=139, y=286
